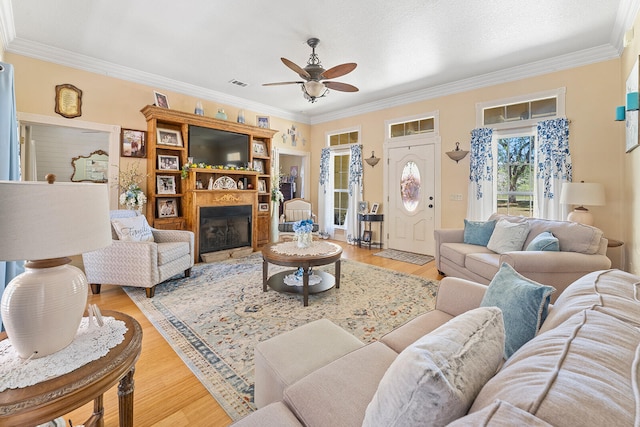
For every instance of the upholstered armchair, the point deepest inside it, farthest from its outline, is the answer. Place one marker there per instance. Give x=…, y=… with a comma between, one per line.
x=142, y=264
x=296, y=210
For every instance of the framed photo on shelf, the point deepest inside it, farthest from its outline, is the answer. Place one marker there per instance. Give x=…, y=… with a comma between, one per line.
x=133, y=143
x=363, y=207
x=169, y=137
x=168, y=163
x=161, y=99
x=167, y=208
x=258, y=165
x=262, y=122
x=166, y=184
x=366, y=236
x=259, y=148
x=262, y=186
x=263, y=207
x=375, y=207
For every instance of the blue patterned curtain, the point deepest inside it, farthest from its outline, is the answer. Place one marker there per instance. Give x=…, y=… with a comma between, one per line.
x=481, y=192
x=325, y=204
x=355, y=193
x=553, y=168
x=9, y=156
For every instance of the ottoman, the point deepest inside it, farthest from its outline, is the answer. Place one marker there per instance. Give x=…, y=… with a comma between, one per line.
x=283, y=360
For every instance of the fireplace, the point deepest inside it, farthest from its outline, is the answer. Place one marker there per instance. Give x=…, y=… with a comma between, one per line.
x=224, y=227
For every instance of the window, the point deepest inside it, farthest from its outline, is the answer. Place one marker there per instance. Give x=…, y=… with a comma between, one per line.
x=339, y=143
x=515, y=175
x=412, y=127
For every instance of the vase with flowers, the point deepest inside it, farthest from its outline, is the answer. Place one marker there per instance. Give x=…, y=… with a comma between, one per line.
x=302, y=230
x=276, y=198
x=131, y=195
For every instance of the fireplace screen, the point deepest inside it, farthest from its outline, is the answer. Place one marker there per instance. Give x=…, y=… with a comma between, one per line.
x=224, y=227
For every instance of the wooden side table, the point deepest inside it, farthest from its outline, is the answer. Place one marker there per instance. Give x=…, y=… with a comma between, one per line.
x=50, y=399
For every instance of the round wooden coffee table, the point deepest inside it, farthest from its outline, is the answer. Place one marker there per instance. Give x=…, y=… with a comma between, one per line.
x=284, y=253
x=47, y=400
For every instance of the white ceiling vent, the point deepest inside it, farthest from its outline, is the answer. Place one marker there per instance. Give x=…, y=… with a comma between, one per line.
x=238, y=83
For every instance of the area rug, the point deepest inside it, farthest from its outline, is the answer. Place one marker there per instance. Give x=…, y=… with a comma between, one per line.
x=405, y=256
x=215, y=318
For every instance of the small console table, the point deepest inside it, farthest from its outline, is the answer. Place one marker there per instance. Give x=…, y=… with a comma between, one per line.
x=58, y=396
x=368, y=219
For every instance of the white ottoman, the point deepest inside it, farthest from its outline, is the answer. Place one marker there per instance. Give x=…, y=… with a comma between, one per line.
x=283, y=360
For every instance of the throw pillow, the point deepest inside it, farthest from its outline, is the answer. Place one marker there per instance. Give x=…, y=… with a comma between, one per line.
x=544, y=241
x=508, y=236
x=436, y=379
x=478, y=232
x=524, y=304
x=133, y=229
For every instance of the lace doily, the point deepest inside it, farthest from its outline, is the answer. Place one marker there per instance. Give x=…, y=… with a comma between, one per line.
x=316, y=248
x=91, y=343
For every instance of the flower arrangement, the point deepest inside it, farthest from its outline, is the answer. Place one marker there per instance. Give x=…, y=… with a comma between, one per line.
x=131, y=196
x=276, y=194
x=303, y=226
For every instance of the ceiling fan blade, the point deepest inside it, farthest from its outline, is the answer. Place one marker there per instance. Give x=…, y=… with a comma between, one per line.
x=301, y=71
x=339, y=70
x=281, y=83
x=342, y=87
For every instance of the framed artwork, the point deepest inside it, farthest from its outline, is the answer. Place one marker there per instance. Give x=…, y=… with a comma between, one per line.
x=293, y=171
x=167, y=208
x=169, y=137
x=133, y=143
x=161, y=99
x=262, y=186
x=262, y=122
x=374, y=208
x=166, y=184
x=168, y=163
x=259, y=148
x=68, y=101
x=363, y=207
x=258, y=166
x=366, y=236
x=631, y=116
x=263, y=207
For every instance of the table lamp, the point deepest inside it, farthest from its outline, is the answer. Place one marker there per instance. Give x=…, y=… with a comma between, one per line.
x=582, y=193
x=45, y=223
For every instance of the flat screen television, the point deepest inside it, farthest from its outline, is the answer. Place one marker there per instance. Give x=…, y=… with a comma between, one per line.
x=217, y=147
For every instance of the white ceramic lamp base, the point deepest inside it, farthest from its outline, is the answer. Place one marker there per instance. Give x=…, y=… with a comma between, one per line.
x=581, y=215
x=42, y=309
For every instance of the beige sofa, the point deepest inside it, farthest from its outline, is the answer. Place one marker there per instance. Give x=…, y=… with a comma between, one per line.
x=580, y=369
x=582, y=250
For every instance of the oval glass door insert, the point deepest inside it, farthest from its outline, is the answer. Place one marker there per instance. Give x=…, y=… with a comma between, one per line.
x=410, y=186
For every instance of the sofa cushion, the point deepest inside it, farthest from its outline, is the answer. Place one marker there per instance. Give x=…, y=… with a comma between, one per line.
x=275, y=414
x=171, y=251
x=508, y=236
x=435, y=380
x=132, y=229
x=613, y=292
x=544, y=241
x=483, y=264
x=523, y=303
x=457, y=252
x=500, y=414
x=478, y=232
x=582, y=373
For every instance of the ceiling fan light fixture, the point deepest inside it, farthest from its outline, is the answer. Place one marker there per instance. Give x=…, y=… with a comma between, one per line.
x=313, y=90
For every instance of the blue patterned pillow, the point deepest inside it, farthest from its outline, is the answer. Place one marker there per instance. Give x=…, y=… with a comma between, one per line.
x=478, y=232
x=524, y=305
x=544, y=241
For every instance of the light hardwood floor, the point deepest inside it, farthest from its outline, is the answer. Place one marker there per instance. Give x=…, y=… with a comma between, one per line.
x=166, y=392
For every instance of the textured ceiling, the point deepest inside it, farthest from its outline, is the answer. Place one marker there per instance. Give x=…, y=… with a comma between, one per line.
x=404, y=48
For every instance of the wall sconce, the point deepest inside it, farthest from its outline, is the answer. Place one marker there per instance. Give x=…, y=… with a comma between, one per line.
x=457, y=154
x=373, y=160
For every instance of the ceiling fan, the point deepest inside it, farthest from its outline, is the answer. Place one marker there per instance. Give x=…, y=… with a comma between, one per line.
x=315, y=85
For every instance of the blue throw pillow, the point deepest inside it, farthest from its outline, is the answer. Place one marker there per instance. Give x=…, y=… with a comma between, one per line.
x=478, y=232
x=544, y=241
x=524, y=305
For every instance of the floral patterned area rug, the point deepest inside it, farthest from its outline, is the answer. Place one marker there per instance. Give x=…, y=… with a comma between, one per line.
x=215, y=318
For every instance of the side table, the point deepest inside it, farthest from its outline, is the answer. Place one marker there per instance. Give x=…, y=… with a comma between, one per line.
x=50, y=399
x=368, y=219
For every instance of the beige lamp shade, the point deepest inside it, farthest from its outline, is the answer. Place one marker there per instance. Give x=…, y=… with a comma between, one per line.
x=44, y=224
x=580, y=194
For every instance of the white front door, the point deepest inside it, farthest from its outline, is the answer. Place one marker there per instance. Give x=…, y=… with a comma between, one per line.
x=411, y=186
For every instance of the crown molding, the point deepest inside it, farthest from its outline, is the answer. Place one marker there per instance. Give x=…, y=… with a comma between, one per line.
x=7, y=29
x=627, y=13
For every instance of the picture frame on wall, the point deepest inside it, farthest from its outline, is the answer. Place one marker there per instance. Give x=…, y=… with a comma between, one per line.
x=133, y=143
x=631, y=116
x=375, y=207
x=168, y=163
x=166, y=184
x=262, y=122
x=167, y=208
x=161, y=99
x=169, y=137
x=263, y=207
x=262, y=186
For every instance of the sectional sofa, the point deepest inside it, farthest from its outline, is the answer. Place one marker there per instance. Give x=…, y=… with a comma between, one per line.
x=581, y=369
